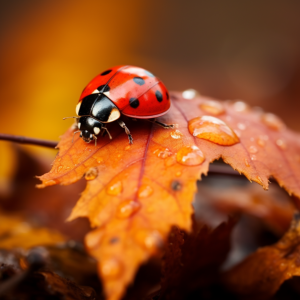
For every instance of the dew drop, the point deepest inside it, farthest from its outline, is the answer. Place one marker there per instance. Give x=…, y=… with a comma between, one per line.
x=151, y=240
x=240, y=106
x=212, y=107
x=127, y=147
x=162, y=153
x=260, y=142
x=115, y=189
x=281, y=144
x=110, y=268
x=100, y=160
x=145, y=191
x=189, y=94
x=214, y=130
x=272, y=121
x=91, y=174
x=190, y=156
x=253, y=157
x=241, y=126
x=252, y=149
x=176, y=134
x=247, y=163
x=127, y=208
x=93, y=238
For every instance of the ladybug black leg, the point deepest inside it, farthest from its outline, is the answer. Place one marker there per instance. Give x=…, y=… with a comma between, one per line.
x=122, y=124
x=166, y=126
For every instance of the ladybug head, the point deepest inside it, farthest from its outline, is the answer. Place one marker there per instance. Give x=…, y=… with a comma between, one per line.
x=89, y=128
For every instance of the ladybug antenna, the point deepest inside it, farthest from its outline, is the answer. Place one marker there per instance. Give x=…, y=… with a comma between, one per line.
x=71, y=118
x=74, y=135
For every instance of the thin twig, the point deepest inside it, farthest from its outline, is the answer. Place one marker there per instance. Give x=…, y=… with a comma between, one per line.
x=26, y=140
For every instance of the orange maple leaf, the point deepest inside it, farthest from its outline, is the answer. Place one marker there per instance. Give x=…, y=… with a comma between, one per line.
x=135, y=193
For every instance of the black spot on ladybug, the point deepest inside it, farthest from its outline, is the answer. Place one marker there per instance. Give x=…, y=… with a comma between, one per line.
x=159, y=96
x=176, y=185
x=103, y=88
x=149, y=74
x=167, y=95
x=105, y=72
x=139, y=80
x=134, y=102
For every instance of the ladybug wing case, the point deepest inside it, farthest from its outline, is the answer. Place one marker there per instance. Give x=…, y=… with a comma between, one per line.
x=100, y=82
x=138, y=93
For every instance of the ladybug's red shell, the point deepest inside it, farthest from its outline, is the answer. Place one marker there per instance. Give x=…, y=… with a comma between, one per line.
x=136, y=92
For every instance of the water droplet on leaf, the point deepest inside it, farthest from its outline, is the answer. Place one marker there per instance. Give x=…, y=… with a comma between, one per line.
x=241, y=126
x=214, y=130
x=240, y=106
x=115, y=189
x=145, y=191
x=281, y=144
x=212, y=107
x=162, y=153
x=252, y=149
x=272, y=121
x=260, y=142
x=110, y=268
x=127, y=208
x=151, y=240
x=190, y=156
x=91, y=174
x=176, y=134
x=189, y=94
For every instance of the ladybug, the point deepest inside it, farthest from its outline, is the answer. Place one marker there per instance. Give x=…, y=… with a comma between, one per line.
x=122, y=90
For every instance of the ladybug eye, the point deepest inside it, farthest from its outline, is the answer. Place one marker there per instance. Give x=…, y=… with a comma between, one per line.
x=96, y=130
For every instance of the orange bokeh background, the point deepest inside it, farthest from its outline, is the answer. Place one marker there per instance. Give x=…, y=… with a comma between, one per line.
x=225, y=49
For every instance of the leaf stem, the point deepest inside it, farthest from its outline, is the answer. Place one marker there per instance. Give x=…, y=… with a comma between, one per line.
x=26, y=140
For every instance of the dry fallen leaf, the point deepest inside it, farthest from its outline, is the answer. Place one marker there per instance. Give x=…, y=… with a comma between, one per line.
x=274, y=208
x=16, y=232
x=192, y=262
x=135, y=193
x=261, y=274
